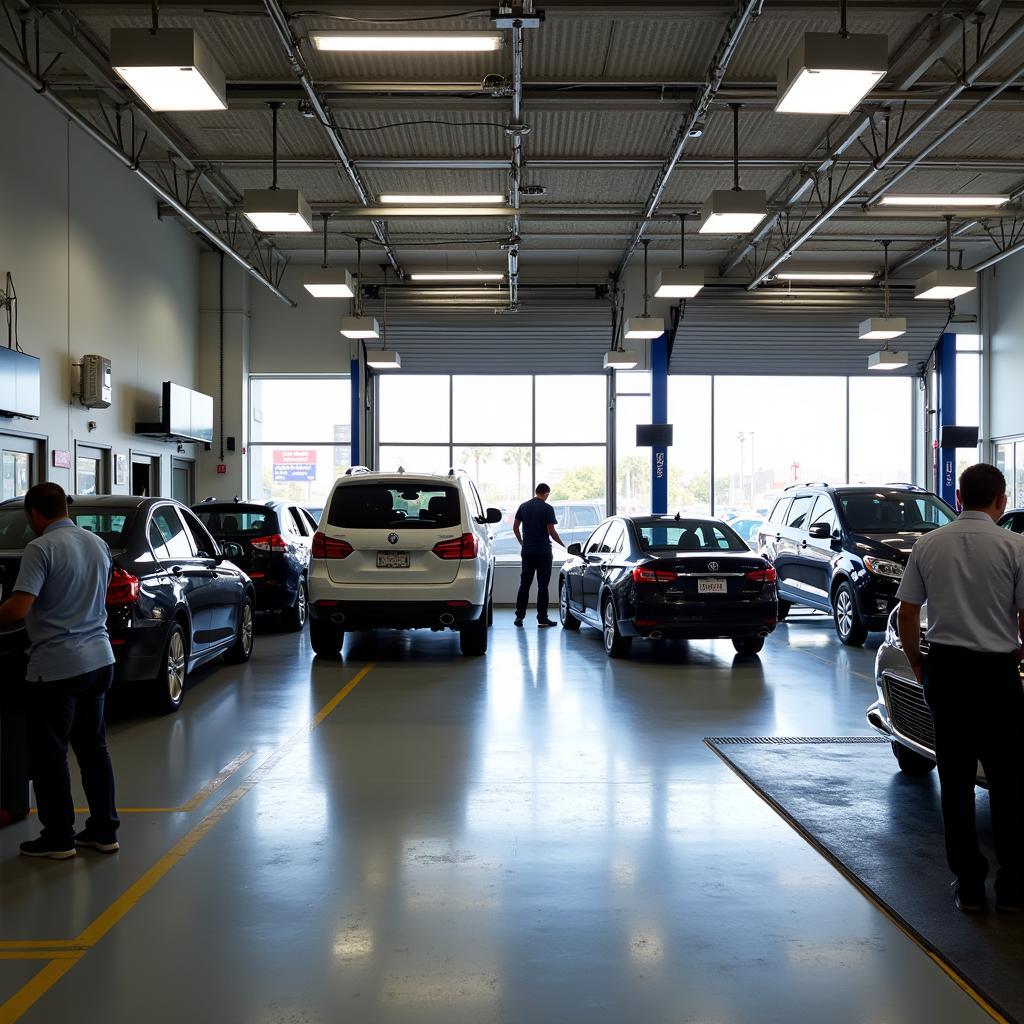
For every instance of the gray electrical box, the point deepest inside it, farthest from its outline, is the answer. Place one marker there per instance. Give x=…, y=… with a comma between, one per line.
x=96, y=382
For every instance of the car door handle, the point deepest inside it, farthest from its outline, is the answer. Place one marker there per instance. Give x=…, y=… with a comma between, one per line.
x=176, y=570
x=803, y=543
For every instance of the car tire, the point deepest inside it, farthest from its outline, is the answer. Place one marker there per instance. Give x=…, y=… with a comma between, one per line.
x=911, y=762
x=748, y=645
x=565, y=616
x=473, y=637
x=785, y=607
x=168, y=688
x=325, y=639
x=294, y=618
x=850, y=627
x=615, y=644
x=241, y=650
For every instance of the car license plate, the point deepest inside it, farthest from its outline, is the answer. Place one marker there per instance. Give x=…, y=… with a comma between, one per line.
x=392, y=559
x=712, y=586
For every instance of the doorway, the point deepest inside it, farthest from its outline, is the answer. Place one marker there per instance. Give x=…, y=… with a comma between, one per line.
x=21, y=461
x=145, y=475
x=92, y=469
x=183, y=480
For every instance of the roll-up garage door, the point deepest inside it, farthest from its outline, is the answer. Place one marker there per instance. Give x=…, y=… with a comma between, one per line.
x=727, y=331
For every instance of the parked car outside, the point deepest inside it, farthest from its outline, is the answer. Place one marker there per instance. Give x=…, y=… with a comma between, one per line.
x=1013, y=519
x=402, y=551
x=662, y=577
x=174, y=602
x=576, y=521
x=746, y=526
x=275, y=539
x=843, y=549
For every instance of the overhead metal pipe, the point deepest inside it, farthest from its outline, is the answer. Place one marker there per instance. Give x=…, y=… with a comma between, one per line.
x=516, y=167
x=280, y=22
x=1009, y=39
x=8, y=61
x=744, y=12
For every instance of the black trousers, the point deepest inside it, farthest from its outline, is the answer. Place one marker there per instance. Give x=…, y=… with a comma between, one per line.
x=977, y=704
x=535, y=563
x=66, y=711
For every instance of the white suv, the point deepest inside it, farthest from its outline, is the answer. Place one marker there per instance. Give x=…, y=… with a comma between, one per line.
x=402, y=551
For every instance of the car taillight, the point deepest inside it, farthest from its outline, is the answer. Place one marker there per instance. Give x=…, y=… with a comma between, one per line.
x=272, y=542
x=767, y=575
x=122, y=589
x=327, y=547
x=461, y=547
x=642, y=574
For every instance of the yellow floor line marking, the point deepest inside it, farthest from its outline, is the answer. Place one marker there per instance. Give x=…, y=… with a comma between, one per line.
x=41, y=954
x=41, y=944
x=25, y=997
x=217, y=781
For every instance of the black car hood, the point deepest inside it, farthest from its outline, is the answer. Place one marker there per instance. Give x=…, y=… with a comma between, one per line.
x=896, y=546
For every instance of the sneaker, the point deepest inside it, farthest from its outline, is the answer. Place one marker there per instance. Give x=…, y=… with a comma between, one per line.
x=85, y=838
x=518, y=622
x=544, y=623
x=968, y=899
x=47, y=848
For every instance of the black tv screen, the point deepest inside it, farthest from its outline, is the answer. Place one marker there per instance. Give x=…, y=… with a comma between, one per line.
x=19, y=384
x=187, y=415
x=654, y=435
x=958, y=437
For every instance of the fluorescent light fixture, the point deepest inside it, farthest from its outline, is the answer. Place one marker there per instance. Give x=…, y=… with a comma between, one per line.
x=277, y=209
x=468, y=276
x=945, y=284
x=617, y=360
x=644, y=327
x=827, y=73
x=681, y=283
x=170, y=69
x=824, y=275
x=385, y=360
x=360, y=327
x=882, y=328
x=408, y=42
x=886, y=360
x=464, y=200
x=733, y=212
x=329, y=283
x=943, y=202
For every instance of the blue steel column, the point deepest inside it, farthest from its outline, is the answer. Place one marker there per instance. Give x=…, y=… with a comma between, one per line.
x=945, y=477
x=659, y=414
x=356, y=413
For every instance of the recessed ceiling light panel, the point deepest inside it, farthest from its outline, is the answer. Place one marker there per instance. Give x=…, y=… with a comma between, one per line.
x=277, y=209
x=943, y=202
x=733, y=212
x=408, y=42
x=681, y=283
x=827, y=73
x=443, y=200
x=847, y=276
x=882, y=328
x=456, y=276
x=945, y=284
x=170, y=69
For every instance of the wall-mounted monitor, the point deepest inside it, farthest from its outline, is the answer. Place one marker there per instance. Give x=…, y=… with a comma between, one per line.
x=185, y=415
x=958, y=437
x=654, y=435
x=19, y=384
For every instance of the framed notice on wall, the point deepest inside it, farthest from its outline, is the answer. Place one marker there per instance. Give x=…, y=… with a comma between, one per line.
x=120, y=470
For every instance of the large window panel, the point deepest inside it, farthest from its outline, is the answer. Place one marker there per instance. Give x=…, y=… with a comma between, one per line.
x=299, y=409
x=415, y=458
x=300, y=473
x=880, y=430
x=773, y=432
x=572, y=409
x=632, y=464
x=504, y=476
x=492, y=410
x=574, y=473
x=689, y=458
x=415, y=408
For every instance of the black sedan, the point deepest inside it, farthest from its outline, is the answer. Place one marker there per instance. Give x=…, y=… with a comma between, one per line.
x=173, y=603
x=665, y=577
x=275, y=539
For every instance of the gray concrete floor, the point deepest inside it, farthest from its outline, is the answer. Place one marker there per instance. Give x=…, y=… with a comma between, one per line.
x=536, y=836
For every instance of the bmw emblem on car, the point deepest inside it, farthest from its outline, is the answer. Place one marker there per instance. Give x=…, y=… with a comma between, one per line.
x=392, y=538
x=712, y=567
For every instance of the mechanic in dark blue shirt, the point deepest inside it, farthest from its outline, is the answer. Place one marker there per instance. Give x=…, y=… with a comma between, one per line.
x=534, y=528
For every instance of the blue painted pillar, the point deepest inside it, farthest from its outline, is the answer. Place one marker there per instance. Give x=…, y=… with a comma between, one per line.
x=355, y=456
x=659, y=414
x=945, y=476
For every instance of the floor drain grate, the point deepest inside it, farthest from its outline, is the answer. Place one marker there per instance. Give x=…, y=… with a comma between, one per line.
x=721, y=741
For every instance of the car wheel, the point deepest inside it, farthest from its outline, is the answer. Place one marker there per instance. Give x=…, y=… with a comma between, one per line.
x=615, y=644
x=171, y=677
x=294, y=618
x=785, y=607
x=849, y=626
x=911, y=762
x=748, y=645
x=565, y=616
x=326, y=639
x=241, y=650
x=473, y=637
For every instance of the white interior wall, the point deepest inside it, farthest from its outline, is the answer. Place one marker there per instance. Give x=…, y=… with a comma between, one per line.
x=96, y=272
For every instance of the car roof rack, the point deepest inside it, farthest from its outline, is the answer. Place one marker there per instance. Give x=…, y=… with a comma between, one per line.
x=357, y=470
x=810, y=483
x=903, y=483
x=457, y=471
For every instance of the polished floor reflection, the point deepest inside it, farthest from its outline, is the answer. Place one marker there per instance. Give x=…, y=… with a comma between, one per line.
x=536, y=836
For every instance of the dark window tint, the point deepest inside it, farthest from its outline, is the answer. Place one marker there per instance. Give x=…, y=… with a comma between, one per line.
x=689, y=535
x=778, y=515
x=382, y=507
x=797, y=518
x=885, y=511
x=167, y=534
x=204, y=544
x=311, y=519
x=1014, y=523
x=593, y=545
x=238, y=520
x=824, y=512
x=15, y=533
x=614, y=540
x=299, y=522
x=108, y=525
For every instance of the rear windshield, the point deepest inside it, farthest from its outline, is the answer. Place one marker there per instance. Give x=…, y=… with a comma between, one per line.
x=893, y=511
x=238, y=519
x=15, y=532
x=690, y=535
x=384, y=507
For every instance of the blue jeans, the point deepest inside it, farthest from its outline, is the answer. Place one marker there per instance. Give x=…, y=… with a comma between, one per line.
x=63, y=711
x=535, y=563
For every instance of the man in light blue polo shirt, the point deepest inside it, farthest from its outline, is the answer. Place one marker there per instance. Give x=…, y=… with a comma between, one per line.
x=61, y=593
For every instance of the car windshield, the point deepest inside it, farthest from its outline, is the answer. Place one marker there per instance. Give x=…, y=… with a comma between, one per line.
x=15, y=533
x=237, y=520
x=390, y=506
x=893, y=512
x=689, y=535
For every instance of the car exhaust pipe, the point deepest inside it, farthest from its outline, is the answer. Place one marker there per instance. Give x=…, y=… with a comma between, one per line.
x=655, y=634
x=338, y=618
x=447, y=618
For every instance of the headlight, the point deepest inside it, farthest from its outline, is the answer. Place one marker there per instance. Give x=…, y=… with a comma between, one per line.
x=883, y=567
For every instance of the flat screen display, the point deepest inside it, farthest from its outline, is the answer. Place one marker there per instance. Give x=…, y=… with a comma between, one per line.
x=654, y=435
x=187, y=414
x=958, y=437
x=19, y=384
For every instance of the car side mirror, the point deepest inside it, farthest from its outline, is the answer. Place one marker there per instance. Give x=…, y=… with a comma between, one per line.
x=493, y=516
x=229, y=549
x=820, y=531
x=575, y=549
